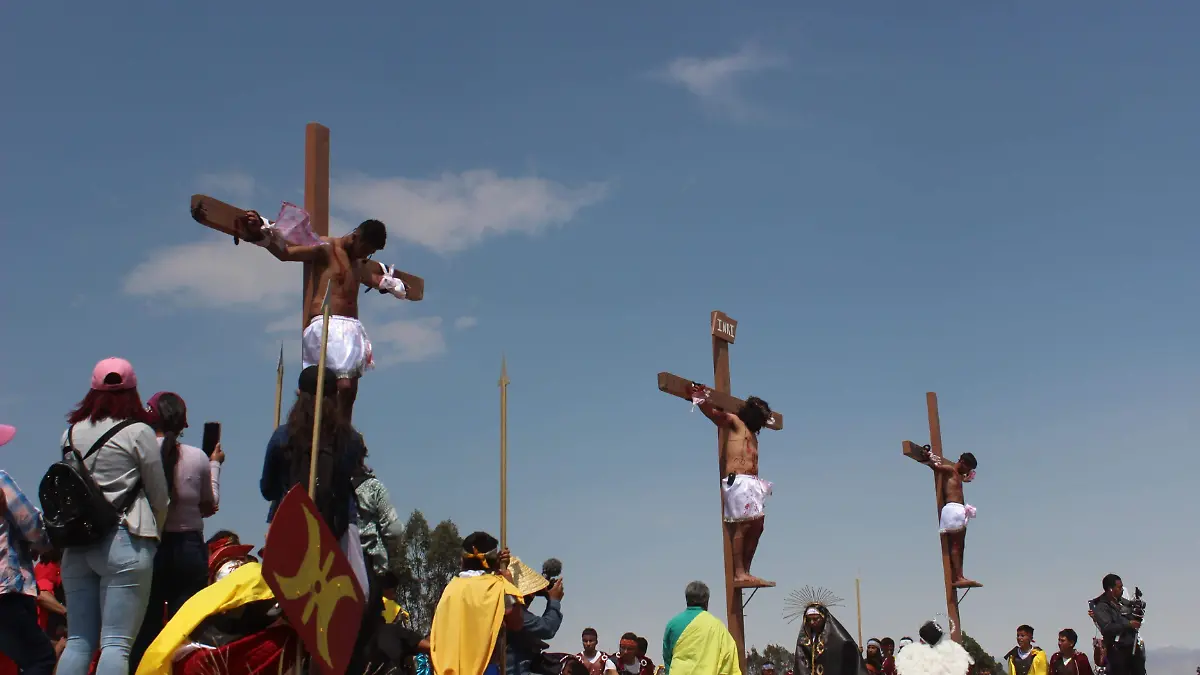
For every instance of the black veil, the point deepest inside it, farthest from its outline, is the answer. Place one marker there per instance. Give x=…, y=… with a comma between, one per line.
x=835, y=651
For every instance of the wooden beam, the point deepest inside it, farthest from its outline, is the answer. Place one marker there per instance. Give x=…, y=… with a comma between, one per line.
x=681, y=387
x=224, y=218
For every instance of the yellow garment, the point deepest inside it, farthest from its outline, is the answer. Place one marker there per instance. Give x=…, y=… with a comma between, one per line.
x=705, y=647
x=240, y=587
x=467, y=623
x=1040, y=665
x=391, y=611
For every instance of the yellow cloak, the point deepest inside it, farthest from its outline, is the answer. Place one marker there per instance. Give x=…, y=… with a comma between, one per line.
x=240, y=587
x=467, y=623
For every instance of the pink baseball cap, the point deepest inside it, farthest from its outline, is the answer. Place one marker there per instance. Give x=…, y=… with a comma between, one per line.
x=6, y=433
x=113, y=366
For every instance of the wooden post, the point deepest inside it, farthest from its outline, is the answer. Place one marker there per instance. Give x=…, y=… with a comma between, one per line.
x=316, y=200
x=917, y=452
x=724, y=331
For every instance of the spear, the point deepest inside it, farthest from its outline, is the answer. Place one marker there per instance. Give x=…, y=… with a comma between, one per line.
x=279, y=388
x=503, y=453
x=858, y=602
x=316, y=434
x=503, y=489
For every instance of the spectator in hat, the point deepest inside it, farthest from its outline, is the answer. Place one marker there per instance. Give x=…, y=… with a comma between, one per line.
x=193, y=481
x=107, y=583
x=21, y=638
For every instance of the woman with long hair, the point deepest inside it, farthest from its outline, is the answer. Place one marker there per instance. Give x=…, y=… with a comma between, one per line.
x=193, y=480
x=339, y=454
x=107, y=583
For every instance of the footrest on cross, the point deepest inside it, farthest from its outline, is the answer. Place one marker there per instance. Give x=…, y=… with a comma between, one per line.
x=967, y=584
x=753, y=582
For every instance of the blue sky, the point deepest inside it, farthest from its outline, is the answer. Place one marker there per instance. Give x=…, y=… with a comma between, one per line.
x=994, y=201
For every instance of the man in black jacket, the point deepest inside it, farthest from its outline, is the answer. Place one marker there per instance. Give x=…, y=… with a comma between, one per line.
x=1124, y=655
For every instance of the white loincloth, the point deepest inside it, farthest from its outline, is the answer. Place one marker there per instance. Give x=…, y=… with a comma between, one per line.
x=955, y=517
x=349, y=352
x=746, y=498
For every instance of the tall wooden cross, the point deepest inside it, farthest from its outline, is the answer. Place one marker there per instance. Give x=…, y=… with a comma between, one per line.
x=724, y=332
x=920, y=454
x=226, y=218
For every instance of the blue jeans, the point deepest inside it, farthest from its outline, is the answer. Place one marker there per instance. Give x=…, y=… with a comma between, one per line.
x=107, y=586
x=180, y=571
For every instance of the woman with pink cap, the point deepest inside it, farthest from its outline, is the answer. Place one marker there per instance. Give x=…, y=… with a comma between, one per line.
x=108, y=583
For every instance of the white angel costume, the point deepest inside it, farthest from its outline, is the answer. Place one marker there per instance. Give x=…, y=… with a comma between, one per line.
x=943, y=657
x=947, y=657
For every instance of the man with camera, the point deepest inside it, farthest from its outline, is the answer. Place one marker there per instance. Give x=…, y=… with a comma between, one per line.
x=527, y=647
x=1119, y=621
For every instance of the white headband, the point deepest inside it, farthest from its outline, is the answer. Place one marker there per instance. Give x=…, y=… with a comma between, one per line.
x=811, y=611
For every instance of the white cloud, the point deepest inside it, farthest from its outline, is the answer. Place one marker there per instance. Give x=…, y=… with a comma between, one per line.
x=408, y=340
x=235, y=186
x=465, y=322
x=456, y=211
x=715, y=80
x=215, y=273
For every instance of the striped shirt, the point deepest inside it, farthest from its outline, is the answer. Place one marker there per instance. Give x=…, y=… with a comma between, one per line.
x=20, y=531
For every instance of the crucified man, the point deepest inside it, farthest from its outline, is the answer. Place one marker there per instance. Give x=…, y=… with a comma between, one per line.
x=955, y=510
x=745, y=494
x=344, y=262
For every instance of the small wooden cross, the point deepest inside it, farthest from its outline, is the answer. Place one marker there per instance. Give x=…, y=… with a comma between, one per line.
x=921, y=454
x=724, y=332
x=227, y=218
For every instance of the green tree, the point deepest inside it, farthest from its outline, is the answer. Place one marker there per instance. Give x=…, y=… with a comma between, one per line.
x=984, y=663
x=431, y=559
x=772, y=653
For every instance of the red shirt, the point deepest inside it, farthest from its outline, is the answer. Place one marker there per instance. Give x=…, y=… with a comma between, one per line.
x=49, y=578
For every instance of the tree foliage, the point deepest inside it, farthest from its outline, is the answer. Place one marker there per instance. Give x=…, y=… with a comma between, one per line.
x=984, y=663
x=778, y=655
x=431, y=559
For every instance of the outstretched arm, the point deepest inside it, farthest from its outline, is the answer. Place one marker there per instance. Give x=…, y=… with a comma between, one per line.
x=718, y=416
x=254, y=225
x=939, y=464
x=374, y=274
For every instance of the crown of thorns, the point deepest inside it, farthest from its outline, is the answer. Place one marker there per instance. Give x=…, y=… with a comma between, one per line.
x=800, y=600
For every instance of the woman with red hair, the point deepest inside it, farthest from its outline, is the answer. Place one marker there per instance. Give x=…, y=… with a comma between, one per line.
x=107, y=583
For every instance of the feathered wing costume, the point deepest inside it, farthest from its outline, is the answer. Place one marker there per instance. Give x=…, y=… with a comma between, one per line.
x=933, y=656
x=832, y=651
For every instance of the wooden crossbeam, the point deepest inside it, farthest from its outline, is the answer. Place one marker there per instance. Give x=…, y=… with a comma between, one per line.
x=682, y=388
x=227, y=218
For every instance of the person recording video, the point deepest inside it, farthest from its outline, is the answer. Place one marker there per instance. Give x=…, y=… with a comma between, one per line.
x=526, y=647
x=1119, y=625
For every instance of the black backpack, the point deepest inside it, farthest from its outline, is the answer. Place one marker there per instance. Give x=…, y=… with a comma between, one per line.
x=75, y=510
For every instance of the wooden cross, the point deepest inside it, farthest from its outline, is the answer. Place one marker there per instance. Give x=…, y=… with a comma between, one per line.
x=920, y=453
x=724, y=332
x=226, y=218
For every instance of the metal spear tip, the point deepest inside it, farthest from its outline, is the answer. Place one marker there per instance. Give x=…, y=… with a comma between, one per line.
x=280, y=366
